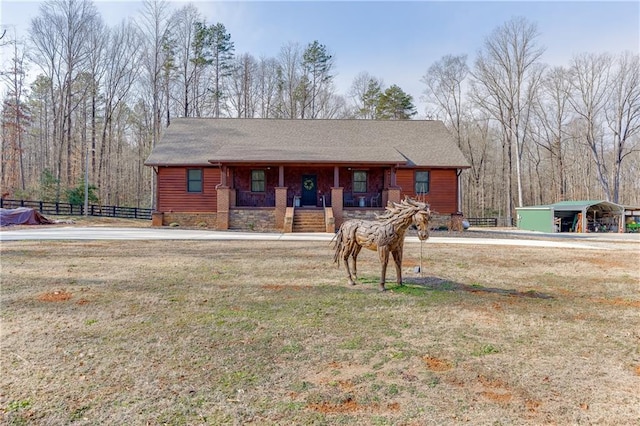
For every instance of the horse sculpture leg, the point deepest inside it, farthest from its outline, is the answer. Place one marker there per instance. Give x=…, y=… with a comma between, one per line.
x=397, y=260
x=344, y=248
x=354, y=256
x=383, y=253
x=345, y=259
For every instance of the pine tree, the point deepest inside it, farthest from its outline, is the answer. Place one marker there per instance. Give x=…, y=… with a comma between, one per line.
x=395, y=104
x=213, y=47
x=316, y=66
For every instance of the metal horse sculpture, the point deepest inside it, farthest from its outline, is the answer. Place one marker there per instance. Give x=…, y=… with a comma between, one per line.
x=386, y=235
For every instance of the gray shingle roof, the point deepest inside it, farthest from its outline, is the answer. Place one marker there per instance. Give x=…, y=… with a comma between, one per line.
x=201, y=141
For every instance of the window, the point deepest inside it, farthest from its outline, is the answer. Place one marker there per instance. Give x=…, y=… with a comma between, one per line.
x=194, y=180
x=257, y=181
x=359, y=181
x=422, y=183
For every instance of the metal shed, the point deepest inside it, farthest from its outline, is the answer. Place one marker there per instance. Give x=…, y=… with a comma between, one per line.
x=572, y=216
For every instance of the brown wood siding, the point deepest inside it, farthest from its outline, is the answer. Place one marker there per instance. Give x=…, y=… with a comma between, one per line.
x=443, y=185
x=173, y=195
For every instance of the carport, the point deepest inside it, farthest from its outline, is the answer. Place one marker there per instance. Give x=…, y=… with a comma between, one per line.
x=572, y=216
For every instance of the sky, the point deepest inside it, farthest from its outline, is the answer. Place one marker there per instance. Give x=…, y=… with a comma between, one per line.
x=395, y=41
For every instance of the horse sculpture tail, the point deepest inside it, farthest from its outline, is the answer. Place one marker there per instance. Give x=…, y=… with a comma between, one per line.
x=337, y=241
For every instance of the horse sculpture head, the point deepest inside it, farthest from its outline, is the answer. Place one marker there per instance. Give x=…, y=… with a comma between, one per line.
x=416, y=212
x=421, y=218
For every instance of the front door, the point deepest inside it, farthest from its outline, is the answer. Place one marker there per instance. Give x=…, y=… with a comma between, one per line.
x=309, y=190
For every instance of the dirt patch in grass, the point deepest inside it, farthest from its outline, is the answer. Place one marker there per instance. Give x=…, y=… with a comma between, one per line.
x=350, y=406
x=55, y=296
x=282, y=287
x=437, y=364
x=211, y=332
x=618, y=301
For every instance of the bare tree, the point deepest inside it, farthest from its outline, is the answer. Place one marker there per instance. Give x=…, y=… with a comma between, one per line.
x=364, y=92
x=14, y=120
x=589, y=97
x=60, y=36
x=623, y=114
x=243, y=87
x=331, y=105
x=121, y=73
x=552, y=115
x=290, y=77
x=444, y=80
x=267, y=86
x=98, y=41
x=154, y=24
x=183, y=24
x=501, y=74
x=40, y=105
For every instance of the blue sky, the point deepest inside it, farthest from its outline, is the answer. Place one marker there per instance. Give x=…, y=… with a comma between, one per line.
x=395, y=41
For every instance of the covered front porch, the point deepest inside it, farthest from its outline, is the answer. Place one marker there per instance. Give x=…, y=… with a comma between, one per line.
x=308, y=186
x=340, y=190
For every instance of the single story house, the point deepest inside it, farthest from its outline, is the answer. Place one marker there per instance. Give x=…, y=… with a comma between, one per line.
x=300, y=175
x=572, y=216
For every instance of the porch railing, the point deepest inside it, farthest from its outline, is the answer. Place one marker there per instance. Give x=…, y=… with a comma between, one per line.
x=362, y=199
x=255, y=199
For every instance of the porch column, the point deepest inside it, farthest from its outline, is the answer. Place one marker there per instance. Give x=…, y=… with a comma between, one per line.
x=227, y=180
x=336, y=205
x=393, y=194
x=222, y=216
x=224, y=172
x=459, y=188
x=281, y=206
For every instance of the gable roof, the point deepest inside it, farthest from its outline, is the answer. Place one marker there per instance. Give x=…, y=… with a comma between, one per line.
x=202, y=141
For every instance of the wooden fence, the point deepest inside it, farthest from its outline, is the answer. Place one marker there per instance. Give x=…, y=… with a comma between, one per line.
x=67, y=209
x=483, y=221
x=490, y=221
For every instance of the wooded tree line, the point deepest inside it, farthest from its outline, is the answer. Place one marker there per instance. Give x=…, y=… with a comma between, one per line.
x=102, y=95
x=537, y=134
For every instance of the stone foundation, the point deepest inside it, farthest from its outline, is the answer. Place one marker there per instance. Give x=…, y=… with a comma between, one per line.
x=253, y=219
x=191, y=220
x=264, y=219
x=440, y=221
